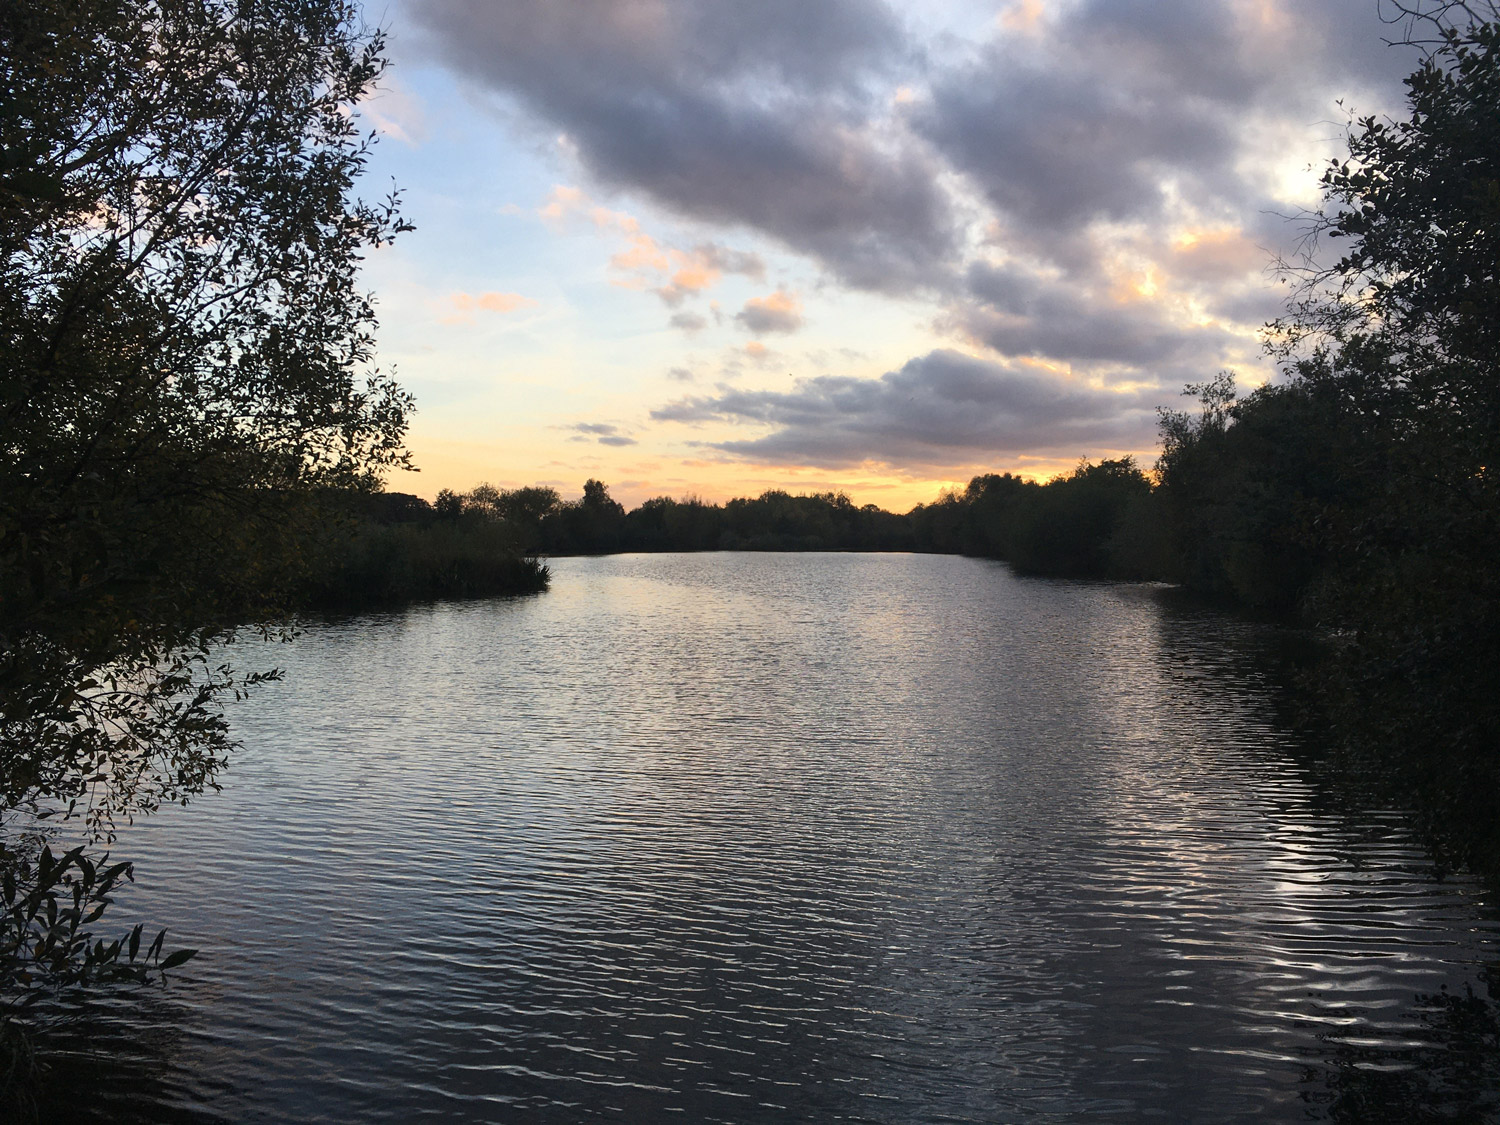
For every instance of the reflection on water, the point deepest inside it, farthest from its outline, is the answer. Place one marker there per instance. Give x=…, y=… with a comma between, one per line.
x=787, y=837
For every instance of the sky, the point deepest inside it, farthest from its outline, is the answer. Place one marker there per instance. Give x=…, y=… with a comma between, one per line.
x=692, y=247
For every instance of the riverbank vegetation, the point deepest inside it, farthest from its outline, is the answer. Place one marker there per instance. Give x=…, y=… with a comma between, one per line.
x=383, y=549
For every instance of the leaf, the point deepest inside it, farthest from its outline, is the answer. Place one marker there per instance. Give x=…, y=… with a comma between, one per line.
x=177, y=957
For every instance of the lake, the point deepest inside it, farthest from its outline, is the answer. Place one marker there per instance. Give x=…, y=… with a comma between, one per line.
x=770, y=838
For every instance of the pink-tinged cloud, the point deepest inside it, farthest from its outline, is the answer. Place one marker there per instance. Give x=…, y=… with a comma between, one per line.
x=672, y=273
x=1216, y=255
x=466, y=304
x=396, y=112
x=776, y=312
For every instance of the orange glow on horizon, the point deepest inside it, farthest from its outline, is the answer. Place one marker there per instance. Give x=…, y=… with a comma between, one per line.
x=461, y=466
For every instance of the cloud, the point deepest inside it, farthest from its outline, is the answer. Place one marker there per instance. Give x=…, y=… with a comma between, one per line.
x=1215, y=255
x=681, y=375
x=1139, y=111
x=688, y=321
x=396, y=112
x=693, y=271
x=1023, y=313
x=672, y=273
x=777, y=312
x=604, y=433
x=879, y=148
x=939, y=409
x=1086, y=190
x=1023, y=15
x=756, y=113
x=466, y=304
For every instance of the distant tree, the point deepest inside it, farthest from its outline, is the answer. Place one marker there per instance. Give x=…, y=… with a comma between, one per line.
x=993, y=503
x=483, y=500
x=528, y=507
x=449, y=505
x=596, y=499
x=591, y=525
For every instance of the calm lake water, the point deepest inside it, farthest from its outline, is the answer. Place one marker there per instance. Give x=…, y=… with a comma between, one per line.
x=769, y=838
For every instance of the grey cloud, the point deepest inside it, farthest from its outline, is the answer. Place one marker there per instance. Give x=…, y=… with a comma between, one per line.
x=938, y=409
x=688, y=321
x=1053, y=150
x=775, y=115
x=605, y=433
x=682, y=375
x=727, y=260
x=776, y=313
x=1250, y=304
x=755, y=113
x=1120, y=105
x=1017, y=313
x=695, y=409
x=1093, y=121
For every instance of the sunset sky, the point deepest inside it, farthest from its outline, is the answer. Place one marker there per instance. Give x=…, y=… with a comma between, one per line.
x=687, y=246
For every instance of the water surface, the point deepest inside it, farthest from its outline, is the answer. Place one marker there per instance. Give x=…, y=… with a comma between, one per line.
x=766, y=838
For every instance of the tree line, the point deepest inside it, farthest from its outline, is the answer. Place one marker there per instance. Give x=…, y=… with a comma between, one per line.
x=1089, y=523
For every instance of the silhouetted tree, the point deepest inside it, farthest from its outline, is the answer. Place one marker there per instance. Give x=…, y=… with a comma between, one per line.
x=185, y=371
x=1404, y=332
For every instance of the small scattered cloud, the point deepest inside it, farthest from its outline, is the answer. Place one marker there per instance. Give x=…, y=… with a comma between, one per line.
x=674, y=274
x=693, y=271
x=464, y=305
x=688, y=321
x=396, y=112
x=562, y=201
x=681, y=375
x=602, y=433
x=777, y=312
x=760, y=355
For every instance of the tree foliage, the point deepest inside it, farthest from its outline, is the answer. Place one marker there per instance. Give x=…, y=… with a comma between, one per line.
x=185, y=368
x=184, y=353
x=1362, y=489
x=1405, y=334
